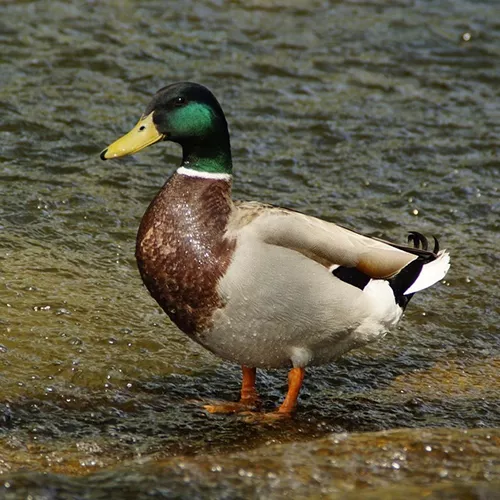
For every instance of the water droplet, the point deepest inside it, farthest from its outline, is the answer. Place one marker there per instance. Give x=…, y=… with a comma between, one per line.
x=41, y=308
x=466, y=37
x=245, y=473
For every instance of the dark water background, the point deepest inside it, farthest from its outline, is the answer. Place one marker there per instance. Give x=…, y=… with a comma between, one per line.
x=381, y=116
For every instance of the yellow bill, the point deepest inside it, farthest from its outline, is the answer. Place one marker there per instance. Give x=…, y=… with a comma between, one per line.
x=141, y=136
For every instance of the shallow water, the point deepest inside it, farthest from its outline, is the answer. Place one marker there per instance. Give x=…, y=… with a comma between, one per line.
x=381, y=118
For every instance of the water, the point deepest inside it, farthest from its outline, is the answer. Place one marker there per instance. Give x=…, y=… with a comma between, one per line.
x=384, y=118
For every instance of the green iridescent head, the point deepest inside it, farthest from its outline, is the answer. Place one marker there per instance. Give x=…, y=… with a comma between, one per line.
x=186, y=113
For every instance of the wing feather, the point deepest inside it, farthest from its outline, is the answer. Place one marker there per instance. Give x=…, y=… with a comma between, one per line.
x=322, y=241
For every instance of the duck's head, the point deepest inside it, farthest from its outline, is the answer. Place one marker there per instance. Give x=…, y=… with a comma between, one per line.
x=186, y=113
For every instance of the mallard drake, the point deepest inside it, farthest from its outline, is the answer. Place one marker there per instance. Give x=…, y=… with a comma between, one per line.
x=256, y=284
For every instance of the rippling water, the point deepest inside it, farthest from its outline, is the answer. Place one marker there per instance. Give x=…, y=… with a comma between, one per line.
x=384, y=117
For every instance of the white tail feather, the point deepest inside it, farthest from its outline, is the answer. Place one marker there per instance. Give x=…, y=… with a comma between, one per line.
x=431, y=273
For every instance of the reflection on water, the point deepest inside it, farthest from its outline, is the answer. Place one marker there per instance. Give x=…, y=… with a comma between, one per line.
x=382, y=117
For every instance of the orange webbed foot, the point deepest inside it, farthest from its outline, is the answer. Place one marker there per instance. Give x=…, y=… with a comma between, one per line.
x=230, y=407
x=249, y=398
x=265, y=418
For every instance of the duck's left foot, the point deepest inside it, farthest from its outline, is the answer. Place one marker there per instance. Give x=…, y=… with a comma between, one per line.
x=272, y=417
x=230, y=407
x=249, y=399
x=284, y=412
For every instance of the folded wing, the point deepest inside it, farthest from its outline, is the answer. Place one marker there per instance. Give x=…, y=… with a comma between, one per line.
x=325, y=242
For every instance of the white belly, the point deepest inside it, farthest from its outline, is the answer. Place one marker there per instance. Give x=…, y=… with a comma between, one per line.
x=284, y=309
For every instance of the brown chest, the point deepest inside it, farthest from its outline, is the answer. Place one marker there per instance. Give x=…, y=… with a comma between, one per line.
x=182, y=251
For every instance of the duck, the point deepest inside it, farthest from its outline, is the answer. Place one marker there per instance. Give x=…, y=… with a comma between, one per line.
x=256, y=284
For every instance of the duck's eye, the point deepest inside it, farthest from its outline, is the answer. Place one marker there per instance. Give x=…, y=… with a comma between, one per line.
x=179, y=101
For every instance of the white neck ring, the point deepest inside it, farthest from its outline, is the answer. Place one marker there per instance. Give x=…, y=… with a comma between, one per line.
x=190, y=172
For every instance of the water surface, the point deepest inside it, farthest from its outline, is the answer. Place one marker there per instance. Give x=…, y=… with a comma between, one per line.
x=384, y=118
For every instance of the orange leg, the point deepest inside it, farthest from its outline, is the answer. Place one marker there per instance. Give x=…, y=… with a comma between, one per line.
x=248, y=396
x=248, y=392
x=295, y=379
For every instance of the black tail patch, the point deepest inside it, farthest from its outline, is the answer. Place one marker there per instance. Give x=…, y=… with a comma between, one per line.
x=399, y=283
x=352, y=276
x=408, y=275
x=405, y=278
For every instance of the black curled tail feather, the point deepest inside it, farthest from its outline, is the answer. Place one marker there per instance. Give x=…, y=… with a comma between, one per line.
x=419, y=241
